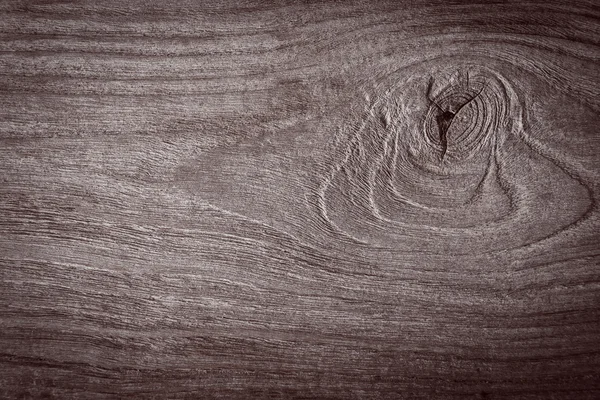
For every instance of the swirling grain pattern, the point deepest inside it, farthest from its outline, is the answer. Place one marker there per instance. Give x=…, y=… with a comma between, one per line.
x=314, y=200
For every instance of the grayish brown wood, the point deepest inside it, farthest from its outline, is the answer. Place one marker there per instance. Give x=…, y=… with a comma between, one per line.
x=315, y=200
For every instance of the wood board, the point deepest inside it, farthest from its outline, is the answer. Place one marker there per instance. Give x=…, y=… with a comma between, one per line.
x=299, y=200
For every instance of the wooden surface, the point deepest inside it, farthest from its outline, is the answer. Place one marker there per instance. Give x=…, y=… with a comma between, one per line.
x=311, y=200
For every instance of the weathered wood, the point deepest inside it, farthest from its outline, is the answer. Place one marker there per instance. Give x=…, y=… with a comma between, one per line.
x=321, y=200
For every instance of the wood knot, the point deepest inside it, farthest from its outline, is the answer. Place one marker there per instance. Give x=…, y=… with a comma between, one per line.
x=457, y=118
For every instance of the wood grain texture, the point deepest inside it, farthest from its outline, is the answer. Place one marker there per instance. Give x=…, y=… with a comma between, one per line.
x=299, y=200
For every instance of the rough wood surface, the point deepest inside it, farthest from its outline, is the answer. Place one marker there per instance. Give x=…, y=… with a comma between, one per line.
x=299, y=200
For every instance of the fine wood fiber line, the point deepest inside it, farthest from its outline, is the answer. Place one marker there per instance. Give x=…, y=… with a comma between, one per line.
x=315, y=200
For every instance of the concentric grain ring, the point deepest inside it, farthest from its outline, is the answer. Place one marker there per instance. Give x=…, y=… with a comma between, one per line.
x=441, y=170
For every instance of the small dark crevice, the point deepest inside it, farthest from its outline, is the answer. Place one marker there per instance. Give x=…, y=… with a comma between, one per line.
x=444, y=120
x=383, y=120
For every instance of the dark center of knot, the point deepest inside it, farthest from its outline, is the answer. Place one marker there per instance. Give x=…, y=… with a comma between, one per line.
x=446, y=116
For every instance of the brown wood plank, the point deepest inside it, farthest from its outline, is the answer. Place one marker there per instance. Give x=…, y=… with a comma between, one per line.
x=299, y=200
